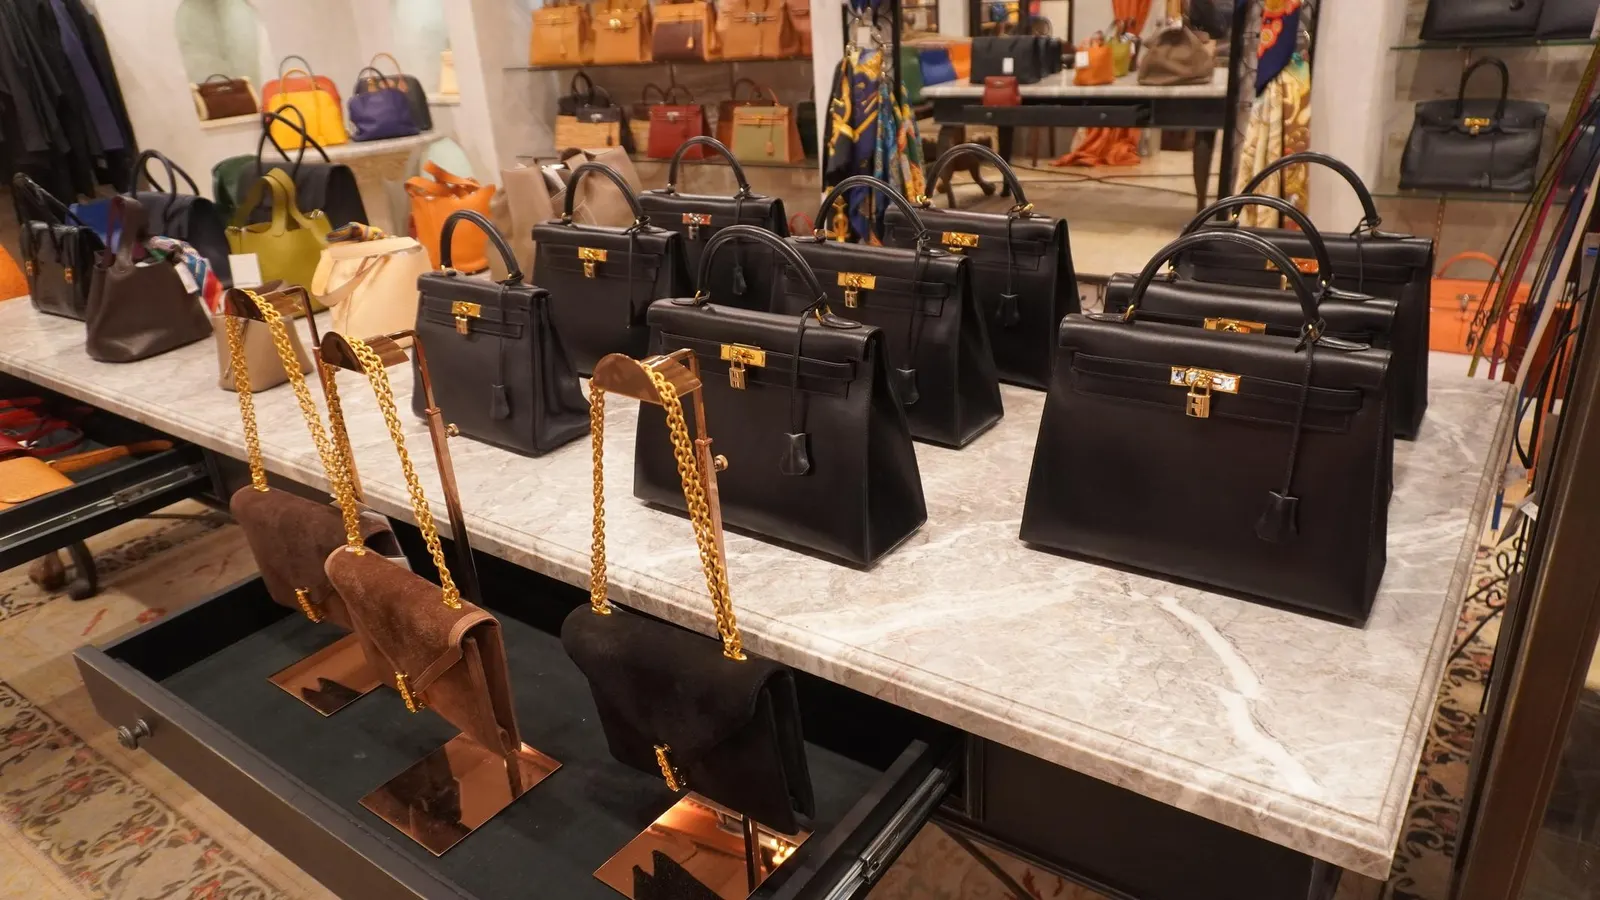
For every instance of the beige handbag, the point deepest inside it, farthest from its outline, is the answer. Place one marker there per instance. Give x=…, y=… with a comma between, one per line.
x=263, y=365
x=598, y=201
x=535, y=194
x=1177, y=54
x=371, y=286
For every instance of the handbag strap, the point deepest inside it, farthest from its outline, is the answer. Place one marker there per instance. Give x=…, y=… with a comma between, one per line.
x=1319, y=248
x=1370, y=219
x=398, y=69
x=45, y=203
x=305, y=66
x=644, y=95
x=931, y=176
x=1505, y=85
x=129, y=218
x=210, y=79
x=588, y=87
x=306, y=140
x=1464, y=256
x=513, y=272
x=756, y=87
x=877, y=186
x=377, y=81
x=639, y=218
x=285, y=204
x=1312, y=320
x=141, y=169
x=717, y=147
x=673, y=90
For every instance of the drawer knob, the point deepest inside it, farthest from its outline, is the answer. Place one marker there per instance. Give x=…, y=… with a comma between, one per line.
x=130, y=737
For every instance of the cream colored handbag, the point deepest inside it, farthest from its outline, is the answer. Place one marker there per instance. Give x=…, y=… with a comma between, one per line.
x=371, y=286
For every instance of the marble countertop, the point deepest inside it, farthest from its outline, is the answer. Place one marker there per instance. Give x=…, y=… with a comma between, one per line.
x=1301, y=731
x=1060, y=84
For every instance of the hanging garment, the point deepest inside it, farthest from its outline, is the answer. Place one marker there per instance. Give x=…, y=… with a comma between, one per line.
x=1280, y=124
x=871, y=131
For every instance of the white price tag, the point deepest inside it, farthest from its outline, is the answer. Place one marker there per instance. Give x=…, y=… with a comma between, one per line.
x=246, y=269
x=1008, y=65
x=1081, y=59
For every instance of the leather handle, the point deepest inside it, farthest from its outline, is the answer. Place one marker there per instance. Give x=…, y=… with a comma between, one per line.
x=639, y=218
x=1505, y=85
x=304, y=63
x=128, y=218
x=1369, y=208
x=513, y=273
x=306, y=139
x=588, y=90
x=716, y=146
x=174, y=172
x=214, y=77
x=1473, y=255
x=673, y=91
x=398, y=69
x=46, y=202
x=1319, y=248
x=756, y=86
x=877, y=186
x=931, y=177
x=378, y=78
x=1303, y=293
x=644, y=95
x=761, y=236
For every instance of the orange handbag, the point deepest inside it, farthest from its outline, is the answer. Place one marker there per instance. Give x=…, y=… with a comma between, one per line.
x=757, y=29
x=621, y=35
x=1453, y=305
x=433, y=199
x=961, y=59
x=800, y=16
x=12, y=282
x=563, y=35
x=1094, y=64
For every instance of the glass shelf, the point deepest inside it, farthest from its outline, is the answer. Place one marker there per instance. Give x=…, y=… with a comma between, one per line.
x=1392, y=193
x=1501, y=42
x=657, y=62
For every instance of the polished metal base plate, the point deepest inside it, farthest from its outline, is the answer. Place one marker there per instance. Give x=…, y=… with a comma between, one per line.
x=331, y=678
x=447, y=794
x=707, y=841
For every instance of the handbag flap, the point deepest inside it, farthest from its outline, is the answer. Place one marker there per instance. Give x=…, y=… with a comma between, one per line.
x=1034, y=241
x=774, y=332
x=674, y=13
x=1520, y=115
x=1190, y=302
x=754, y=209
x=488, y=306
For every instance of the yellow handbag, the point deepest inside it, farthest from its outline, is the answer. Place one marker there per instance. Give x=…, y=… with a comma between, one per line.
x=324, y=119
x=562, y=35
x=621, y=35
x=289, y=245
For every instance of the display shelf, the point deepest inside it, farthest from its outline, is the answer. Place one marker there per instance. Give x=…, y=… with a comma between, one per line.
x=1499, y=42
x=1393, y=193
x=658, y=62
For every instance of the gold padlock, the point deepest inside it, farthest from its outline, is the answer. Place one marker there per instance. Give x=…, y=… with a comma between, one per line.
x=590, y=257
x=738, y=356
x=854, y=283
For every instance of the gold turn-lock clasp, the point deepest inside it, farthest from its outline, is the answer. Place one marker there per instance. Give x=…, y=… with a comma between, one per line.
x=68, y=272
x=854, y=283
x=739, y=356
x=1234, y=326
x=1475, y=124
x=464, y=313
x=668, y=772
x=30, y=268
x=413, y=702
x=696, y=221
x=1201, y=382
x=957, y=241
x=590, y=256
x=303, y=597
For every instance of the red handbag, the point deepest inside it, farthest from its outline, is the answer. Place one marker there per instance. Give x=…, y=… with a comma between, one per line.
x=1001, y=90
x=673, y=123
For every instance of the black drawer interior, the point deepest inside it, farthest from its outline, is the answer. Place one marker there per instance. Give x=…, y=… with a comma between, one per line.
x=215, y=658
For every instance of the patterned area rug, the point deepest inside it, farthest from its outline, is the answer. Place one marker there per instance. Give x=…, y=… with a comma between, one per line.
x=82, y=818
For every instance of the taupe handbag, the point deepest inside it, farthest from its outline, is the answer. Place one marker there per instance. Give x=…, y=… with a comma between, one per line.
x=138, y=304
x=263, y=366
x=1177, y=54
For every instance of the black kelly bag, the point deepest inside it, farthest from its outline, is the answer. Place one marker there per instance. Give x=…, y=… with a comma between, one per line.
x=1488, y=144
x=1027, y=57
x=748, y=276
x=1253, y=463
x=1482, y=20
x=499, y=372
x=602, y=280
x=58, y=250
x=819, y=453
x=1021, y=262
x=189, y=217
x=938, y=348
x=1368, y=261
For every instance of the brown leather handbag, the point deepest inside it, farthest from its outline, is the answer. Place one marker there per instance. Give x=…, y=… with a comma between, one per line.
x=290, y=535
x=621, y=34
x=438, y=650
x=1178, y=54
x=221, y=97
x=563, y=35
x=138, y=305
x=686, y=31
x=757, y=29
x=800, y=15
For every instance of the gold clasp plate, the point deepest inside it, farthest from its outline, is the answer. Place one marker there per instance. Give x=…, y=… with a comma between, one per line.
x=1201, y=382
x=670, y=774
x=465, y=312
x=739, y=356
x=1476, y=123
x=30, y=268
x=957, y=241
x=590, y=256
x=69, y=274
x=1234, y=326
x=696, y=221
x=854, y=283
x=413, y=704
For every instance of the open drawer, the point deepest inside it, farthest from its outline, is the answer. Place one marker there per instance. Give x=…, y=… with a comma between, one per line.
x=192, y=691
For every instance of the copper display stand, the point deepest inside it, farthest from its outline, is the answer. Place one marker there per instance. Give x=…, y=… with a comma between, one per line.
x=728, y=853
x=449, y=793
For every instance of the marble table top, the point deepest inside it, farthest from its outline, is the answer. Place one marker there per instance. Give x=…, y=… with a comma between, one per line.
x=1301, y=731
x=1060, y=85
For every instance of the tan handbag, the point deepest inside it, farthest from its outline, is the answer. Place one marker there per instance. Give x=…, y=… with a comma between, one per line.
x=766, y=134
x=760, y=95
x=371, y=285
x=621, y=35
x=528, y=192
x=221, y=97
x=572, y=131
x=686, y=31
x=800, y=15
x=757, y=29
x=1177, y=54
x=263, y=368
x=598, y=201
x=562, y=35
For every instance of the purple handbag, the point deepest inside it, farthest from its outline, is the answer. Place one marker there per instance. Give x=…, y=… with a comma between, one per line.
x=381, y=111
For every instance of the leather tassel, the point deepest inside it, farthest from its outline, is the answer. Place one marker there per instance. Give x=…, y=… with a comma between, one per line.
x=499, y=402
x=796, y=458
x=905, y=386
x=1010, y=315
x=1277, y=522
x=738, y=280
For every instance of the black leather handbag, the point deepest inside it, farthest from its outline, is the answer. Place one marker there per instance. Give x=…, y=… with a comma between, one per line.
x=1021, y=263
x=594, y=104
x=1021, y=56
x=1253, y=463
x=819, y=453
x=938, y=348
x=1481, y=20
x=328, y=186
x=698, y=712
x=500, y=373
x=1489, y=144
x=602, y=280
x=752, y=272
x=1566, y=19
x=189, y=217
x=58, y=250
x=1366, y=261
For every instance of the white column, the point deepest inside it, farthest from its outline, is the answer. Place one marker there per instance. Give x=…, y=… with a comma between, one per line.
x=1352, y=82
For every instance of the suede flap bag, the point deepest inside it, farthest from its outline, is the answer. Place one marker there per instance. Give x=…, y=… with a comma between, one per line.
x=139, y=305
x=685, y=31
x=701, y=713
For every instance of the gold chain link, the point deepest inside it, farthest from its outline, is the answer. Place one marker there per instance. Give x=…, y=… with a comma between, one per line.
x=379, y=376
x=597, y=564
x=247, y=403
x=297, y=380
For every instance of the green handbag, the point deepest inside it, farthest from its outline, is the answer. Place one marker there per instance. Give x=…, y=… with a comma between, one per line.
x=1121, y=49
x=287, y=246
x=911, y=73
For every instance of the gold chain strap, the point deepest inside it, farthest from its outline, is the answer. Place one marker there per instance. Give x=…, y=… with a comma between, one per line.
x=308, y=407
x=597, y=564
x=247, y=403
x=372, y=364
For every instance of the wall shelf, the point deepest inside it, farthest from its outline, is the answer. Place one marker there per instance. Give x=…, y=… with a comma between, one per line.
x=660, y=62
x=1490, y=44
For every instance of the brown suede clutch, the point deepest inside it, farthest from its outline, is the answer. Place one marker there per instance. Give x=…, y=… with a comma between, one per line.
x=450, y=660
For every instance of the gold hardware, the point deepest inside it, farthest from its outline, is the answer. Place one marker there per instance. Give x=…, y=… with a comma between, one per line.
x=673, y=779
x=413, y=703
x=614, y=23
x=957, y=241
x=590, y=256
x=739, y=356
x=30, y=268
x=1305, y=265
x=1234, y=326
x=1476, y=123
x=69, y=274
x=1201, y=382
x=854, y=283
x=452, y=430
x=464, y=312
x=695, y=221
x=303, y=597
x=720, y=462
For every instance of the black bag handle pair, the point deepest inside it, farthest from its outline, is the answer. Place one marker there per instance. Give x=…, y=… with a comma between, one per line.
x=1319, y=247
x=45, y=203
x=1505, y=86
x=717, y=147
x=1007, y=174
x=141, y=169
x=306, y=140
x=1312, y=320
x=639, y=218
x=590, y=91
x=1370, y=219
x=513, y=272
